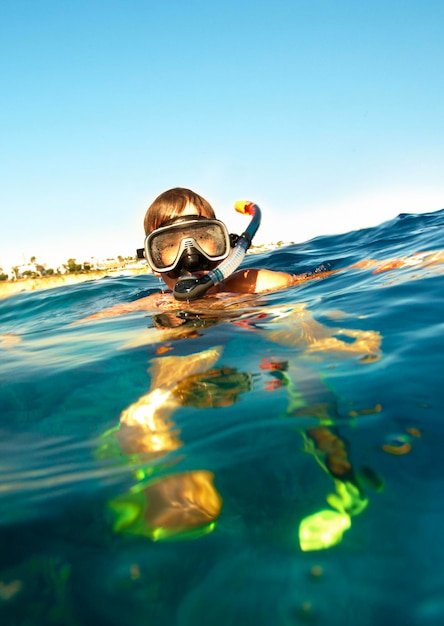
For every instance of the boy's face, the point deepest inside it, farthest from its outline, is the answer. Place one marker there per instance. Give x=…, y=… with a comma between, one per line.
x=189, y=210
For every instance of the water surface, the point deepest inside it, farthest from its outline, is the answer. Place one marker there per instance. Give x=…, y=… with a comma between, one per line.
x=269, y=405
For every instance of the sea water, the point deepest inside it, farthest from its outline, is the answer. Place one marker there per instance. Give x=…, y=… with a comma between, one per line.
x=281, y=372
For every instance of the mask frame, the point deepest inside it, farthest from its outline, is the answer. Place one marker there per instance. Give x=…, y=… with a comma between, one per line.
x=187, y=244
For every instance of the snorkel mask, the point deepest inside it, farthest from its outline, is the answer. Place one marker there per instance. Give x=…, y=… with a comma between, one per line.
x=187, y=244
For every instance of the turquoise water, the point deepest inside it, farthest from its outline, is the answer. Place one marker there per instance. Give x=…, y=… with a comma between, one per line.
x=353, y=359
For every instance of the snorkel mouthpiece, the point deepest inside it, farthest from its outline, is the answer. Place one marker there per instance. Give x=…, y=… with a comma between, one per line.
x=194, y=287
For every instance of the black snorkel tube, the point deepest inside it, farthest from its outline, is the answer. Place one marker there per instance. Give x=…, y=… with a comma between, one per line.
x=193, y=287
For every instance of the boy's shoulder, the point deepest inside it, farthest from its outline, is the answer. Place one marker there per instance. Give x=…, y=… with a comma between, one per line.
x=256, y=280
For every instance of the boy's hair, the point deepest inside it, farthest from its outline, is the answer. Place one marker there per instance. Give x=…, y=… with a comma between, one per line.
x=170, y=204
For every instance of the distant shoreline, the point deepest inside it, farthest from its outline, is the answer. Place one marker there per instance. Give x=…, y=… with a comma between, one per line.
x=12, y=287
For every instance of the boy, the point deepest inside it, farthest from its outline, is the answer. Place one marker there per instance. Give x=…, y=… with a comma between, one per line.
x=180, y=213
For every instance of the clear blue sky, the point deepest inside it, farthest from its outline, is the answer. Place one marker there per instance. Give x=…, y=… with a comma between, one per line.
x=327, y=113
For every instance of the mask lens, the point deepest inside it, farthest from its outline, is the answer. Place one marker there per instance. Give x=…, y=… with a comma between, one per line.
x=210, y=238
x=164, y=248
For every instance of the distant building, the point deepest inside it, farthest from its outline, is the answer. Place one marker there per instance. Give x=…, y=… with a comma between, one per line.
x=27, y=269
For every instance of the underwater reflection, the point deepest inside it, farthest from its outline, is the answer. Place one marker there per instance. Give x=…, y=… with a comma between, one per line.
x=185, y=504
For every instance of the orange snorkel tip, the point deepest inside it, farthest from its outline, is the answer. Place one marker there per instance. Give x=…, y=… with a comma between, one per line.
x=245, y=207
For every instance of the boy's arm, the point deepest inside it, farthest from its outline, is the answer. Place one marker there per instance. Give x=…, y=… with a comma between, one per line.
x=421, y=259
x=260, y=281
x=256, y=281
x=143, y=304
